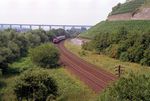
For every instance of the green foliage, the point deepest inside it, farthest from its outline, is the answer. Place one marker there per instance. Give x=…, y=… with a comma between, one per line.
x=87, y=46
x=35, y=84
x=146, y=59
x=83, y=53
x=123, y=44
x=21, y=65
x=45, y=55
x=127, y=7
x=131, y=88
x=113, y=27
x=14, y=45
x=69, y=88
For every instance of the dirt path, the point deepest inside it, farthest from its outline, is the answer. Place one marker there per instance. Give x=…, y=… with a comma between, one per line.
x=96, y=79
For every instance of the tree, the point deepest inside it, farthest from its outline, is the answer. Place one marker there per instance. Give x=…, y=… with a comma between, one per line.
x=45, y=55
x=35, y=85
x=33, y=39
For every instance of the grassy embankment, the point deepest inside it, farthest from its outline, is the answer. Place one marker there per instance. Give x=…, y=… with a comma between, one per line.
x=114, y=26
x=105, y=62
x=127, y=7
x=70, y=88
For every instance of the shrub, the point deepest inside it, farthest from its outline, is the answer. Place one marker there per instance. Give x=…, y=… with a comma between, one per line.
x=87, y=46
x=83, y=53
x=124, y=56
x=129, y=89
x=123, y=45
x=35, y=85
x=45, y=55
x=146, y=59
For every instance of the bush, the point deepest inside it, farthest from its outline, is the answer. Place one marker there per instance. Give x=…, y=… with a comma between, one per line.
x=87, y=46
x=123, y=45
x=45, y=55
x=35, y=85
x=146, y=59
x=83, y=53
x=124, y=56
x=129, y=89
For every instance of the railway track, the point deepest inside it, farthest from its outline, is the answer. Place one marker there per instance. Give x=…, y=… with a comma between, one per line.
x=97, y=79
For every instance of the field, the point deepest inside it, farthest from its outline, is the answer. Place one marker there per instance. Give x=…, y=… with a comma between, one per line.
x=106, y=62
x=70, y=89
x=114, y=26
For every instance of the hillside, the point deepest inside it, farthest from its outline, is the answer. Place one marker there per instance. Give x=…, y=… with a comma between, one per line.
x=131, y=10
x=114, y=26
x=127, y=7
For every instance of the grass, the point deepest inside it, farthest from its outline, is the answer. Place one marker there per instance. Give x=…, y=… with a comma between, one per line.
x=70, y=88
x=106, y=62
x=146, y=4
x=127, y=7
x=115, y=26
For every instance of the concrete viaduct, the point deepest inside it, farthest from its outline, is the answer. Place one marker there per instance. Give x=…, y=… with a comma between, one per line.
x=30, y=26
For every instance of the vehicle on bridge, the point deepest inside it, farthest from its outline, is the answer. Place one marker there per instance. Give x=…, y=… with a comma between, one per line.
x=58, y=39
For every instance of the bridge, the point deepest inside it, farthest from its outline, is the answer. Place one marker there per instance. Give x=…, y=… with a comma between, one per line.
x=41, y=26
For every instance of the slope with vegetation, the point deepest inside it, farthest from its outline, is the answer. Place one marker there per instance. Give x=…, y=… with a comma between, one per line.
x=114, y=27
x=131, y=10
x=128, y=87
x=126, y=41
x=127, y=7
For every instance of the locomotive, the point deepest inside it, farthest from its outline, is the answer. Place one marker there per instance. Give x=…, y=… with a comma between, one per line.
x=59, y=38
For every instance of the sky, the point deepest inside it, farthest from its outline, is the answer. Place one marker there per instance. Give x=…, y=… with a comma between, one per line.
x=73, y=12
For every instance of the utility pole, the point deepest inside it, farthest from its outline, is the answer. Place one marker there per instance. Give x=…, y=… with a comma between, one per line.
x=119, y=70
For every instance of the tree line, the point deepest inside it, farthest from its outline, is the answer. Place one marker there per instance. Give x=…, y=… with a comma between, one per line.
x=126, y=46
x=14, y=45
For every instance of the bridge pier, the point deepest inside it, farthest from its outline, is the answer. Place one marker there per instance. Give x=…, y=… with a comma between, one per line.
x=21, y=26
x=1, y=26
x=64, y=27
x=10, y=26
x=50, y=27
x=30, y=26
x=40, y=27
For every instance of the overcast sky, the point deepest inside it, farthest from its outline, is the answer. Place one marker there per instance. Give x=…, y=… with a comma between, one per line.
x=83, y=12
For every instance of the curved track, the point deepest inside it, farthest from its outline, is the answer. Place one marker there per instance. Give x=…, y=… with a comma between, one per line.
x=96, y=79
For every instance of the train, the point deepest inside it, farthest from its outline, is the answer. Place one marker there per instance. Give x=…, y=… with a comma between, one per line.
x=58, y=39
